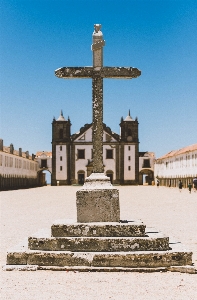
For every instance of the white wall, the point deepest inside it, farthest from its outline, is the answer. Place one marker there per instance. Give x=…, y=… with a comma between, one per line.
x=129, y=174
x=151, y=157
x=61, y=175
x=14, y=165
x=80, y=164
x=183, y=165
x=49, y=161
x=110, y=164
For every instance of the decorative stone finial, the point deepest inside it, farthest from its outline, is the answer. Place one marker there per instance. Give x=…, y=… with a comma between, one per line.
x=97, y=27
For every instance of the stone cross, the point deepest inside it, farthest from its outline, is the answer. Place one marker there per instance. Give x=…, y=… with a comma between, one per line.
x=97, y=73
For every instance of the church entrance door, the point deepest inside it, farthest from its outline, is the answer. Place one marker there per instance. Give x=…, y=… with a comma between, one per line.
x=81, y=178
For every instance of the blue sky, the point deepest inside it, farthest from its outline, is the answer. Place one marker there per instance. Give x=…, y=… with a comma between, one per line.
x=157, y=37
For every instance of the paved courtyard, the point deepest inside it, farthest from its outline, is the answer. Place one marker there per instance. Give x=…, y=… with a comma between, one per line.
x=24, y=212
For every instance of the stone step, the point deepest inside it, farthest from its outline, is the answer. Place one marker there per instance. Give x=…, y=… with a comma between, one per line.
x=177, y=256
x=152, y=242
x=65, y=228
x=182, y=269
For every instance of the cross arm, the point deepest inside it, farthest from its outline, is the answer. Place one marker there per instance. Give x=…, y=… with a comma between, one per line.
x=103, y=72
x=120, y=72
x=74, y=72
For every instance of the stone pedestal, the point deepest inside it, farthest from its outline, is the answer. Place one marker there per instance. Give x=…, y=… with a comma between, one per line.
x=98, y=200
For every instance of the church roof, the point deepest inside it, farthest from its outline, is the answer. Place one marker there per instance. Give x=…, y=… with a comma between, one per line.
x=61, y=117
x=47, y=153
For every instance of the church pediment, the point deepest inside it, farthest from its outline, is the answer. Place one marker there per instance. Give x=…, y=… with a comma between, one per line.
x=85, y=135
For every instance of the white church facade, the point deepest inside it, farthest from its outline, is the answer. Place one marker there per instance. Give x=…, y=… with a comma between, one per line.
x=123, y=163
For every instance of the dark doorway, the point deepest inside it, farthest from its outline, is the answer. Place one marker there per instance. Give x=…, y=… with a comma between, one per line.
x=81, y=178
x=110, y=175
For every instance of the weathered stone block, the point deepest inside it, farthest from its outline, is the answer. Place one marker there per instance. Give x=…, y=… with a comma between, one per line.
x=99, y=205
x=139, y=259
x=57, y=258
x=142, y=259
x=100, y=244
x=63, y=228
x=17, y=258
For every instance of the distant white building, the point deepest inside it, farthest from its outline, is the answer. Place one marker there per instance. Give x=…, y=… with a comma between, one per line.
x=44, y=160
x=177, y=165
x=146, y=167
x=72, y=155
x=17, y=169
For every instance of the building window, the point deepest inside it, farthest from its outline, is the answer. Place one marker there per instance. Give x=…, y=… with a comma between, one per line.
x=81, y=153
x=61, y=158
x=60, y=168
x=91, y=153
x=60, y=148
x=129, y=157
x=129, y=148
x=109, y=153
x=43, y=163
x=129, y=168
x=146, y=163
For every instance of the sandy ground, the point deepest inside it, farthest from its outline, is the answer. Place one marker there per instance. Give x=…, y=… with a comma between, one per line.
x=23, y=212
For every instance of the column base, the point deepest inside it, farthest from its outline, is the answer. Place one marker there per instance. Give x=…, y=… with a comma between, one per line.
x=98, y=200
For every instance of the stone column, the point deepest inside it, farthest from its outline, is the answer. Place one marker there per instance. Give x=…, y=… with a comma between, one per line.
x=97, y=201
x=97, y=128
x=97, y=100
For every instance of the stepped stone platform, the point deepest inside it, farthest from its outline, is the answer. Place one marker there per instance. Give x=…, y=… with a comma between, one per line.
x=110, y=246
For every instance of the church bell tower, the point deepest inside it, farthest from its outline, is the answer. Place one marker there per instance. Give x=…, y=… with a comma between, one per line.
x=61, y=151
x=129, y=170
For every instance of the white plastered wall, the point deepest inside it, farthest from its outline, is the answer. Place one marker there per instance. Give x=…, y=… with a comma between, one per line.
x=183, y=165
x=61, y=174
x=110, y=164
x=80, y=164
x=129, y=174
x=14, y=165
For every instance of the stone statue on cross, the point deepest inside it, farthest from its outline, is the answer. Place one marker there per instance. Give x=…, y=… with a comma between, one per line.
x=97, y=72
